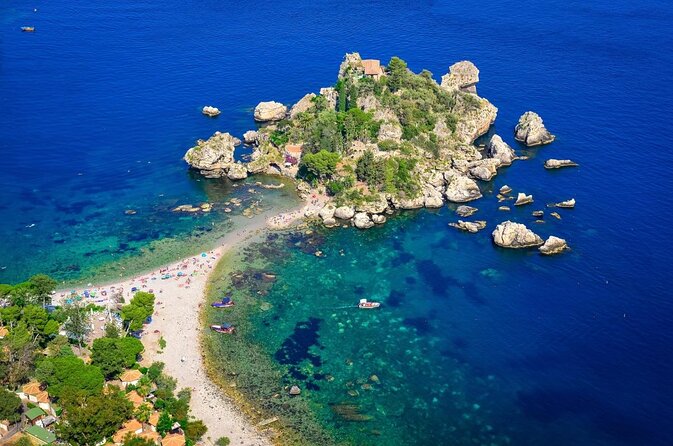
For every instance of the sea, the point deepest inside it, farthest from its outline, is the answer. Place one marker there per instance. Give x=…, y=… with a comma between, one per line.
x=473, y=344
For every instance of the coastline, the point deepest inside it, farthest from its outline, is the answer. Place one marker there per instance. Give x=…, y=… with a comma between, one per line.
x=179, y=317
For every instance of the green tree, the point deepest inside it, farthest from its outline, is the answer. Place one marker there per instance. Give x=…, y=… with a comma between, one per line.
x=397, y=73
x=42, y=287
x=111, y=330
x=70, y=375
x=140, y=308
x=343, y=98
x=137, y=441
x=195, y=430
x=223, y=441
x=165, y=423
x=320, y=165
x=10, y=315
x=165, y=386
x=23, y=441
x=76, y=323
x=18, y=350
x=87, y=422
x=113, y=355
x=155, y=370
x=10, y=406
x=143, y=413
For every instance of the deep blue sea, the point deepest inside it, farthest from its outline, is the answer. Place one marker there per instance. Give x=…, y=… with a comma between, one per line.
x=101, y=102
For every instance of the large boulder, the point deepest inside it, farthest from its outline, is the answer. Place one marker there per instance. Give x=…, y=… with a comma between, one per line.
x=210, y=111
x=237, y=171
x=344, y=212
x=379, y=219
x=432, y=198
x=557, y=164
x=567, y=204
x=302, y=105
x=216, y=153
x=409, y=203
x=462, y=76
x=270, y=111
x=465, y=211
x=460, y=189
x=515, y=235
x=251, y=137
x=485, y=169
x=531, y=131
x=553, y=245
x=522, y=199
x=499, y=149
x=362, y=221
x=327, y=212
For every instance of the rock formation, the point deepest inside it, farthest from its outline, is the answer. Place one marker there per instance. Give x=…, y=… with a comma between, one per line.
x=469, y=226
x=553, y=245
x=237, y=171
x=531, y=131
x=302, y=105
x=215, y=154
x=522, y=199
x=344, y=212
x=250, y=137
x=461, y=189
x=462, y=76
x=362, y=221
x=465, y=211
x=557, y=164
x=568, y=204
x=515, y=235
x=270, y=111
x=499, y=149
x=484, y=169
x=210, y=111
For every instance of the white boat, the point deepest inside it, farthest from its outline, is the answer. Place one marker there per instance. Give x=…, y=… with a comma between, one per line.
x=366, y=305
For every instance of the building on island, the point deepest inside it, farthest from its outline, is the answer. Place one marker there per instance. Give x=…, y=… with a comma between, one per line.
x=154, y=420
x=373, y=68
x=135, y=398
x=292, y=154
x=132, y=427
x=173, y=440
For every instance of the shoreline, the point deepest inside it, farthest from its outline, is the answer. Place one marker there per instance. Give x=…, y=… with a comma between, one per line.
x=178, y=319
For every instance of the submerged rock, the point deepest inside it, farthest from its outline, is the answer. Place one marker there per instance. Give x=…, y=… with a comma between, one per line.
x=553, y=245
x=568, y=204
x=522, y=199
x=531, y=131
x=469, y=226
x=557, y=164
x=515, y=235
x=538, y=214
x=379, y=219
x=237, y=171
x=270, y=111
x=499, y=149
x=556, y=215
x=465, y=211
x=504, y=208
x=295, y=390
x=460, y=189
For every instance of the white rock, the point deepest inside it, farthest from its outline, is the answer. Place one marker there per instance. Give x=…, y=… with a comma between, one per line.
x=344, y=212
x=497, y=148
x=270, y=111
x=522, y=199
x=515, y=235
x=362, y=221
x=210, y=111
x=302, y=105
x=531, y=131
x=460, y=189
x=553, y=245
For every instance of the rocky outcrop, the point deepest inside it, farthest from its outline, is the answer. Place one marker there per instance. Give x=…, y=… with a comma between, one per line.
x=390, y=132
x=304, y=104
x=465, y=211
x=567, y=204
x=499, y=149
x=408, y=203
x=522, y=199
x=362, y=221
x=557, y=164
x=350, y=61
x=250, y=137
x=515, y=235
x=327, y=212
x=462, y=76
x=270, y=111
x=460, y=189
x=553, y=245
x=469, y=226
x=344, y=212
x=432, y=198
x=376, y=206
x=379, y=219
x=504, y=190
x=237, y=171
x=215, y=154
x=485, y=169
x=531, y=131
x=331, y=96
x=210, y=111
x=475, y=121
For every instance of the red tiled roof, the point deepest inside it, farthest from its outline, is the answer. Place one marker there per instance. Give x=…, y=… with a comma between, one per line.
x=372, y=66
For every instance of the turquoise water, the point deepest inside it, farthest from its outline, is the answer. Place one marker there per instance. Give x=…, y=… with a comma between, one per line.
x=101, y=102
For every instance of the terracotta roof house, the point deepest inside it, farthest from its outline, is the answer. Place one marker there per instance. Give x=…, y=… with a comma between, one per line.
x=40, y=435
x=154, y=420
x=373, y=68
x=30, y=391
x=151, y=436
x=3, y=332
x=130, y=377
x=293, y=153
x=135, y=398
x=173, y=440
x=133, y=427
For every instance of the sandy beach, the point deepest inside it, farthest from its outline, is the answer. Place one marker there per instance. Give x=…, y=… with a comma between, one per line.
x=180, y=294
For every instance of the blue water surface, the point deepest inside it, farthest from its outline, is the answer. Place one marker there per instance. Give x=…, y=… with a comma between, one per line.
x=101, y=102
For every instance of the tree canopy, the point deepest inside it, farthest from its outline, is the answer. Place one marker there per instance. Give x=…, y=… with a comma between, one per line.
x=10, y=406
x=113, y=355
x=68, y=376
x=320, y=165
x=138, y=310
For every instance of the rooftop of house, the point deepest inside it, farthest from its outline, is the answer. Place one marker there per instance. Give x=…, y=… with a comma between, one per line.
x=150, y=435
x=41, y=434
x=154, y=419
x=135, y=398
x=130, y=376
x=372, y=66
x=293, y=149
x=3, y=332
x=42, y=397
x=173, y=440
x=32, y=388
x=34, y=413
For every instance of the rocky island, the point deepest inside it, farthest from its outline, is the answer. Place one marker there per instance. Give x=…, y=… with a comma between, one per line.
x=381, y=139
